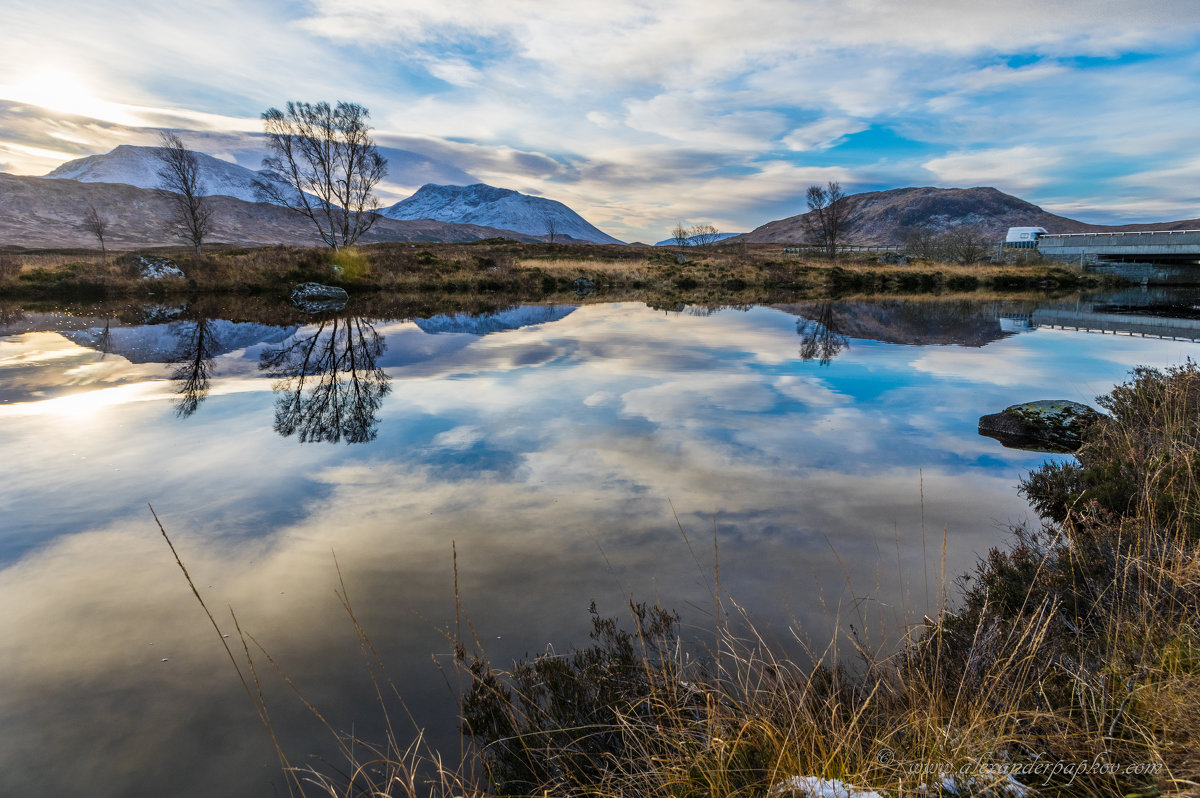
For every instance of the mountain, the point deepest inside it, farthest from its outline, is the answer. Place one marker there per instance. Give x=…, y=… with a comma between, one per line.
x=138, y=166
x=500, y=321
x=693, y=240
x=926, y=323
x=497, y=207
x=168, y=343
x=40, y=212
x=883, y=217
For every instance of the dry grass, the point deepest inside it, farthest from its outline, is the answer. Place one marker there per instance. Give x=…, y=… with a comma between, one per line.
x=532, y=270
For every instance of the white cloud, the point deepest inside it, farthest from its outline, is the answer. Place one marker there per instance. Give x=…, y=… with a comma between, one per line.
x=1015, y=168
x=823, y=134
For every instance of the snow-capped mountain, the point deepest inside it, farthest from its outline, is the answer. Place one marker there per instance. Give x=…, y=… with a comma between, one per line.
x=167, y=343
x=500, y=321
x=695, y=240
x=139, y=166
x=496, y=207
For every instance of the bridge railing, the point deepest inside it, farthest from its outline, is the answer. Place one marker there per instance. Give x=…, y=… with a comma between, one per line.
x=1120, y=233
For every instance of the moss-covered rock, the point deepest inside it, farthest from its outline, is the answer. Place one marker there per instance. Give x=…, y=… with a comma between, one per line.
x=1047, y=425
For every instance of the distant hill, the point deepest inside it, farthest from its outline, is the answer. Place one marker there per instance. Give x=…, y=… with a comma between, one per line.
x=138, y=166
x=692, y=240
x=883, y=217
x=42, y=212
x=497, y=207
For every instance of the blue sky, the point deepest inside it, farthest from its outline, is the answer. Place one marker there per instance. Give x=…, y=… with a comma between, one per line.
x=641, y=114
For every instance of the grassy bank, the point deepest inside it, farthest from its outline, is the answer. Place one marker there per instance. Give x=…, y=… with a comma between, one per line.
x=1067, y=663
x=530, y=270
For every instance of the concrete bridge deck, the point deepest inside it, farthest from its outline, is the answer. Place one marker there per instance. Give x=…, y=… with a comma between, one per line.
x=1151, y=246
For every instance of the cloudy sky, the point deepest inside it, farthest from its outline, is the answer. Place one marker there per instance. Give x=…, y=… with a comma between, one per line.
x=639, y=114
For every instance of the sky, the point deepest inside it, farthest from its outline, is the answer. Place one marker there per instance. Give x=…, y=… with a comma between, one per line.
x=640, y=115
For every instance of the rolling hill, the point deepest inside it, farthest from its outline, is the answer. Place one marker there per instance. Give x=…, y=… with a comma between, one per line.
x=883, y=217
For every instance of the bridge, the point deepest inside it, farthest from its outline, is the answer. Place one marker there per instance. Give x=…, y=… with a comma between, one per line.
x=1156, y=246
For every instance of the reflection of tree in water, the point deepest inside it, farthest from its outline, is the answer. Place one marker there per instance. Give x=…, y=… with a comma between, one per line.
x=10, y=314
x=329, y=386
x=820, y=338
x=194, y=355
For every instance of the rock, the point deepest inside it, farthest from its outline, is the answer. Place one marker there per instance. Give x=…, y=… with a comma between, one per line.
x=152, y=268
x=158, y=314
x=583, y=286
x=680, y=257
x=318, y=298
x=1048, y=425
x=893, y=257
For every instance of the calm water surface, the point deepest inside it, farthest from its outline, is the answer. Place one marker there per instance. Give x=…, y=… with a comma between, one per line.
x=553, y=446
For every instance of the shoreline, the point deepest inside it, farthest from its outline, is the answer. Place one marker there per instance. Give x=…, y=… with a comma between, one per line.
x=527, y=270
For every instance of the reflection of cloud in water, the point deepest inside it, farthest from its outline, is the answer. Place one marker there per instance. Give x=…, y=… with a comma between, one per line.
x=550, y=455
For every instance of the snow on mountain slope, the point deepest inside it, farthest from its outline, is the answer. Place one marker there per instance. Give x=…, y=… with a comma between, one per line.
x=511, y=319
x=168, y=343
x=139, y=166
x=496, y=207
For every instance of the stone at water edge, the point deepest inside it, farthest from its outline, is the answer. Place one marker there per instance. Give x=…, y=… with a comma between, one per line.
x=153, y=268
x=1047, y=425
x=318, y=298
x=583, y=286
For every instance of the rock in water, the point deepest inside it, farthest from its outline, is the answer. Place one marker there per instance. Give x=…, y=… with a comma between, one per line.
x=318, y=298
x=1048, y=425
x=151, y=268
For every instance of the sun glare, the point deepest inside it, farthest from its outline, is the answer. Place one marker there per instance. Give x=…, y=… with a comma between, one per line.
x=62, y=91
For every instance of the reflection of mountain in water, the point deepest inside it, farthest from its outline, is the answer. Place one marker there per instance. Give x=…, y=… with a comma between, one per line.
x=160, y=343
x=920, y=323
x=511, y=319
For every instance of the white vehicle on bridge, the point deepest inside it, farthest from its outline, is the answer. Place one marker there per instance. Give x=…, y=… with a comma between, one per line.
x=1023, y=237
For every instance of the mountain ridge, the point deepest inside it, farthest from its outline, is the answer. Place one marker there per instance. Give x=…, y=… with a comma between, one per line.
x=480, y=203
x=138, y=166
x=884, y=217
x=42, y=212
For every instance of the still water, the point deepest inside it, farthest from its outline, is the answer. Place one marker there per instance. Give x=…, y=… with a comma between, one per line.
x=829, y=447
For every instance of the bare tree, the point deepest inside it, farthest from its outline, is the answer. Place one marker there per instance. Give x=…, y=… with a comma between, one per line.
x=703, y=235
x=963, y=244
x=323, y=165
x=828, y=215
x=95, y=224
x=550, y=228
x=180, y=176
x=681, y=235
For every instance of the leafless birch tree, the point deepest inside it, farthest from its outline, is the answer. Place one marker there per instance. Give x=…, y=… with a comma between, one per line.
x=323, y=165
x=180, y=176
x=828, y=215
x=703, y=235
x=681, y=235
x=96, y=224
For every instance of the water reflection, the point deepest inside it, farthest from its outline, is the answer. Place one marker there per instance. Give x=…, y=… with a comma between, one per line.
x=554, y=447
x=820, y=336
x=328, y=382
x=197, y=349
